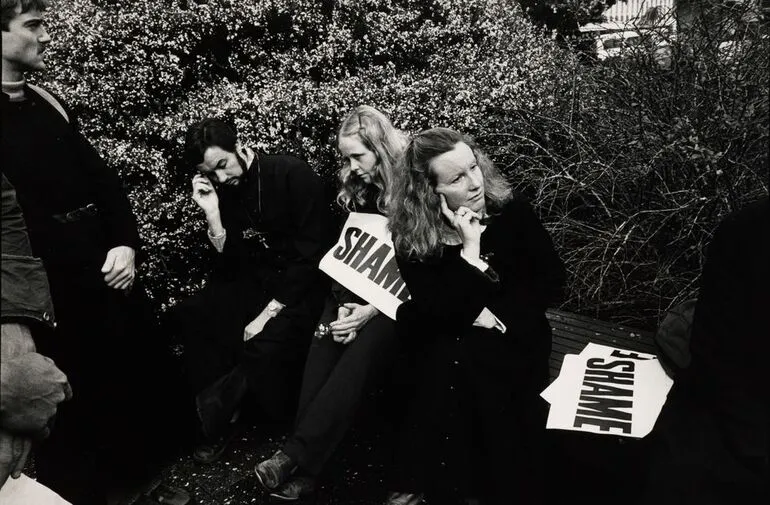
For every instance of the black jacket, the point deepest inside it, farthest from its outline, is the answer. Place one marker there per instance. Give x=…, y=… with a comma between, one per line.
x=282, y=200
x=25, y=292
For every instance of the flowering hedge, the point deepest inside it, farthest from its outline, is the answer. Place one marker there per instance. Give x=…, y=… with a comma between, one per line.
x=631, y=165
x=286, y=72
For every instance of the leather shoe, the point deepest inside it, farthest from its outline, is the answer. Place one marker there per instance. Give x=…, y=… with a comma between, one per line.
x=396, y=498
x=211, y=449
x=275, y=471
x=295, y=489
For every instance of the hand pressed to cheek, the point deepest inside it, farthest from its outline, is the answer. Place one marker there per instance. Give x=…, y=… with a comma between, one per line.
x=458, y=178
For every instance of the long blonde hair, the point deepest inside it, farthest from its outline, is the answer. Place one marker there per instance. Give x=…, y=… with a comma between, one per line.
x=376, y=133
x=415, y=216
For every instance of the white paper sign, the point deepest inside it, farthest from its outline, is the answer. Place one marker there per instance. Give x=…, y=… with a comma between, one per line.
x=364, y=262
x=608, y=391
x=25, y=491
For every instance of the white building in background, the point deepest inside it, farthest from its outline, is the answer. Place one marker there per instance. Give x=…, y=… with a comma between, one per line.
x=634, y=10
x=633, y=14
x=630, y=14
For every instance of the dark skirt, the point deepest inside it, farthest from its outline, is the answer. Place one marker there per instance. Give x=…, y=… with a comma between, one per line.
x=476, y=424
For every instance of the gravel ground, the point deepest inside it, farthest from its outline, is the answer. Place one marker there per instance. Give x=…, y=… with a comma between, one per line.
x=354, y=476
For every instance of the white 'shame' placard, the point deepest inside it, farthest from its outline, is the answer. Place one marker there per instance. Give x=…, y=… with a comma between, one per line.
x=608, y=391
x=363, y=260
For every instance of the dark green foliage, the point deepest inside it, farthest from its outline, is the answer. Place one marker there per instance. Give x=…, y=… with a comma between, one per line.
x=632, y=165
x=285, y=71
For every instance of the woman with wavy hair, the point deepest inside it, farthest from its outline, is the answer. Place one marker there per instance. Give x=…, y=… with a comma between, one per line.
x=361, y=342
x=481, y=270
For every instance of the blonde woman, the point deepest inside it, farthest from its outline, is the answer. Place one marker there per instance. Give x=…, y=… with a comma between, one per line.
x=342, y=366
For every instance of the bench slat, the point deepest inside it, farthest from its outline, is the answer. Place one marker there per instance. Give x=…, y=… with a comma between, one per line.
x=572, y=332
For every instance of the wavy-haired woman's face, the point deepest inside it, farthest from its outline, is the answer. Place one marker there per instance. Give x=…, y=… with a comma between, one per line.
x=459, y=178
x=363, y=162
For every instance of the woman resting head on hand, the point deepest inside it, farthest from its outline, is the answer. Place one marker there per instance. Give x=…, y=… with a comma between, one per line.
x=449, y=188
x=481, y=271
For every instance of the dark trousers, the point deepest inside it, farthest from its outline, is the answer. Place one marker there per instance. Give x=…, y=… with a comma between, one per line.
x=336, y=378
x=222, y=369
x=116, y=427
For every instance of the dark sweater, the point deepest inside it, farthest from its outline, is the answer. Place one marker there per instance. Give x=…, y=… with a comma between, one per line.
x=524, y=278
x=293, y=217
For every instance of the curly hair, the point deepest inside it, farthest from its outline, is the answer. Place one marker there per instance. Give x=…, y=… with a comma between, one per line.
x=415, y=220
x=376, y=133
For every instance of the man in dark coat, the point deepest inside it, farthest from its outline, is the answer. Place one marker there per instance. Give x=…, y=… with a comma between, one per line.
x=81, y=225
x=250, y=327
x=713, y=435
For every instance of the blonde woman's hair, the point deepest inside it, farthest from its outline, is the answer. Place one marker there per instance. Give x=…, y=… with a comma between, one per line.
x=415, y=218
x=376, y=133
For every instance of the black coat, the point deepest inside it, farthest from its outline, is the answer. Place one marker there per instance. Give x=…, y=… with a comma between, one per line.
x=105, y=340
x=54, y=170
x=278, y=221
x=478, y=393
x=712, y=439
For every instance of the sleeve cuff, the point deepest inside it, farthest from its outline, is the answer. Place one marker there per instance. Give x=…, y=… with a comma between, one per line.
x=218, y=241
x=499, y=325
x=478, y=263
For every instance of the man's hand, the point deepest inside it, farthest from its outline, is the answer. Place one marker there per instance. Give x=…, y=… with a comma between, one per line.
x=32, y=387
x=118, y=268
x=255, y=327
x=204, y=194
x=14, y=451
x=345, y=329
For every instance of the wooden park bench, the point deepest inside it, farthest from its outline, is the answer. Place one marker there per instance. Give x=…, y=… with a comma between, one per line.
x=594, y=468
x=604, y=468
x=572, y=332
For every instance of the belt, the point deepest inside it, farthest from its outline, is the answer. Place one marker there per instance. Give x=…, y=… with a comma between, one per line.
x=72, y=216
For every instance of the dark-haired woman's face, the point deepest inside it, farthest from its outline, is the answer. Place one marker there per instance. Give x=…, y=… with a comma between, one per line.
x=459, y=178
x=362, y=161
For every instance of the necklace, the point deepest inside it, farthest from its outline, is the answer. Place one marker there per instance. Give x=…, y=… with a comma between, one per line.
x=253, y=230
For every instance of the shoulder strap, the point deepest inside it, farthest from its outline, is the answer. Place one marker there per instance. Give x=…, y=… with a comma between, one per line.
x=48, y=97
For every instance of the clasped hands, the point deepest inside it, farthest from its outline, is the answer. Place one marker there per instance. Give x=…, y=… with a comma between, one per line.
x=351, y=317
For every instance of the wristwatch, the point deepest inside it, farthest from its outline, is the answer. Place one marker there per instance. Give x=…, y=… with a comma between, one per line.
x=273, y=308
